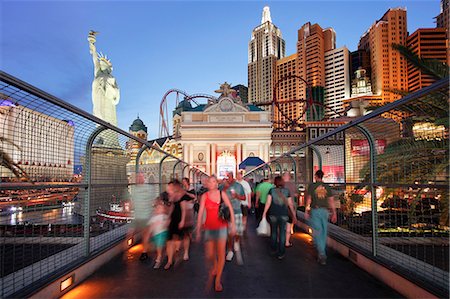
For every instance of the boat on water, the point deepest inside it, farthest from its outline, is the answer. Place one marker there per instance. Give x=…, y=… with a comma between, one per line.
x=118, y=213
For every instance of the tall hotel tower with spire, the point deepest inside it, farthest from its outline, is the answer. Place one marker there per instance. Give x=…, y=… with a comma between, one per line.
x=264, y=49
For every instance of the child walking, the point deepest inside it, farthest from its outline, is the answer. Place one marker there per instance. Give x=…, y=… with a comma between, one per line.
x=159, y=223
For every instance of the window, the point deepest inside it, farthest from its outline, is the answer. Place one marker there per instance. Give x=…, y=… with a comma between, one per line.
x=322, y=131
x=313, y=133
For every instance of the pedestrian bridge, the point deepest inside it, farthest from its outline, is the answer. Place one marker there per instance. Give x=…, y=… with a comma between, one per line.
x=66, y=200
x=261, y=276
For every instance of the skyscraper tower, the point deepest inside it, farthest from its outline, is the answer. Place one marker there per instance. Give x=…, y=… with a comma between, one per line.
x=389, y=71
x=264, y=49
x=313, y=42
x=427, y=43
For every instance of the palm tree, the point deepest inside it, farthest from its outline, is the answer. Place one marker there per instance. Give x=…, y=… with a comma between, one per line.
x=419, y=160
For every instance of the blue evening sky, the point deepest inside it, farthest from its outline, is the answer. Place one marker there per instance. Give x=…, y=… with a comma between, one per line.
x=158, y=45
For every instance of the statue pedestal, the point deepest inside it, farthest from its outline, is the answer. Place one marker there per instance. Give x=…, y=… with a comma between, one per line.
x=109, y=178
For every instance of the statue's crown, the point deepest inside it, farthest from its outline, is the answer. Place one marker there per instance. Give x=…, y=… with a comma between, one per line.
x=104, y=58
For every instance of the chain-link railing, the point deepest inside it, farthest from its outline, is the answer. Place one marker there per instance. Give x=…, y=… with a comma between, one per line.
x=389, y=170
x=70, y=185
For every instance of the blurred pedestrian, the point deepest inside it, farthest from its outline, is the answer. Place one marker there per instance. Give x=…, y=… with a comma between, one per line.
x=318, y=202
x=290, y=185
x=215, y=230
x=236, y=194
x=262, y=190
x=159, y=230
x=278, y=204
x=189, y=198
x=177, y=200
x=247, y=203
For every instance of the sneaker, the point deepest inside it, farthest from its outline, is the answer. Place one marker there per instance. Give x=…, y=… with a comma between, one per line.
x=322, y=260
x=157, y=265
x=143, y=256
x=230, y=255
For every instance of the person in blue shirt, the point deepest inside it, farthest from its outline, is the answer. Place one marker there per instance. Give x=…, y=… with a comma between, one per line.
x=236, y=194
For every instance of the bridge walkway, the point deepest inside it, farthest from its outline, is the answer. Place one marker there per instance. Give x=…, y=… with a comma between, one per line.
x=261, y=276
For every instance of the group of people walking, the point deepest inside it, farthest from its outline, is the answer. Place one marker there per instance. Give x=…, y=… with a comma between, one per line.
x=219, y=210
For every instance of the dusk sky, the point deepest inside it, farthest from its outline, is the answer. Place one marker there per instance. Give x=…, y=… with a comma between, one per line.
x=155, y=46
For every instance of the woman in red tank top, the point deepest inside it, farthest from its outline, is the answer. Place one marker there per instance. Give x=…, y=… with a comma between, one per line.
x=215, y=230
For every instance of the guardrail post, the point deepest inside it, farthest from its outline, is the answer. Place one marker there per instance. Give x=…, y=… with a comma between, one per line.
x=184, y=170
x=277, y=165
x=138, y=157
x=160, y=173
x=87, y=201
x=294, y=168
x=319, y=156
x=373, y=194
x=174, y=169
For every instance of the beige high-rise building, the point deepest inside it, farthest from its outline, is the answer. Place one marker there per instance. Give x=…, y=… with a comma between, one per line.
x=313, y=42
x=337, y=81
x=287, y=92
x=264, y=49
x=428, y=43
x=389, y=70
x=309, y=64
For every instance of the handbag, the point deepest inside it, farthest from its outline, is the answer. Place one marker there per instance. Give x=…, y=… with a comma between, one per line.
x=224, y=211
x=280, y=194
x=263, y=228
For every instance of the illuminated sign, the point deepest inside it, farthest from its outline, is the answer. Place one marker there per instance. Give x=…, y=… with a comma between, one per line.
x=360, y=147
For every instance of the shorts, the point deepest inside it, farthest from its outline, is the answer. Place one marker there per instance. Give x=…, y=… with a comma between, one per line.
x=289, y=220
x=160, y=239
x=187, y=230
x=216, y=234
x=244, y=210
x=175, y=231
x=239, y=224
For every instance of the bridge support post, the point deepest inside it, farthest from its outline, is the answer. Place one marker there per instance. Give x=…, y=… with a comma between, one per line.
x=87, y=201
x=373, y=194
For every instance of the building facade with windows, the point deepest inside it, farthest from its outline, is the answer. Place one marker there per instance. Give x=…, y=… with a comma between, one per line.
x=337, y=81
x=388, y=66
x=427, y=43
x=264, y=49
x=41, y=145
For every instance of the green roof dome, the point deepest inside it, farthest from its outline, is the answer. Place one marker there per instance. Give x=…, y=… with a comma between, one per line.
x=138, y=125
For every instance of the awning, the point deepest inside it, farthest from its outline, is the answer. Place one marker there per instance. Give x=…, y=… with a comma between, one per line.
x=250, y=162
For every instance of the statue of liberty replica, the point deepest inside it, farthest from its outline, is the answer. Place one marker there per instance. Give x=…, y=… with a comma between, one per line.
x=108, y=159
x=105, y=93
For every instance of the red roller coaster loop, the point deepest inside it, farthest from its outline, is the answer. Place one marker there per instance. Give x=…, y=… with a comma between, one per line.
x=163, y=111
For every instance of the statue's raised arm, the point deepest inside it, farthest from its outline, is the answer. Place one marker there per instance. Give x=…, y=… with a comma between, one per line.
x=93, y=50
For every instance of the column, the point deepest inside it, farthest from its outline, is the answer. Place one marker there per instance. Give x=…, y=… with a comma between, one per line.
x=191, y=153
x=213, y=159
x=208, y=158
x=261, y=152
x=186, y=157
x=238, y=155
x=266, y=151
x=244, y=151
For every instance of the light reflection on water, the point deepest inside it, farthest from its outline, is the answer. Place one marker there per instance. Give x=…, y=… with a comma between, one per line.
x=141, y=195
x=53, y=216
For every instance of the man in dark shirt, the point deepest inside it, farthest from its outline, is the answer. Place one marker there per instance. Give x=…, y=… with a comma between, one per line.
x=318, y=202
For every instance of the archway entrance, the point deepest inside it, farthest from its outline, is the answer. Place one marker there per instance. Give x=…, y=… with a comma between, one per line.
x=226, y=162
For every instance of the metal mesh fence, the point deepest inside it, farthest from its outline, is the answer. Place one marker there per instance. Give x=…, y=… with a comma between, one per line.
x=389, y=172
x=68, y=184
